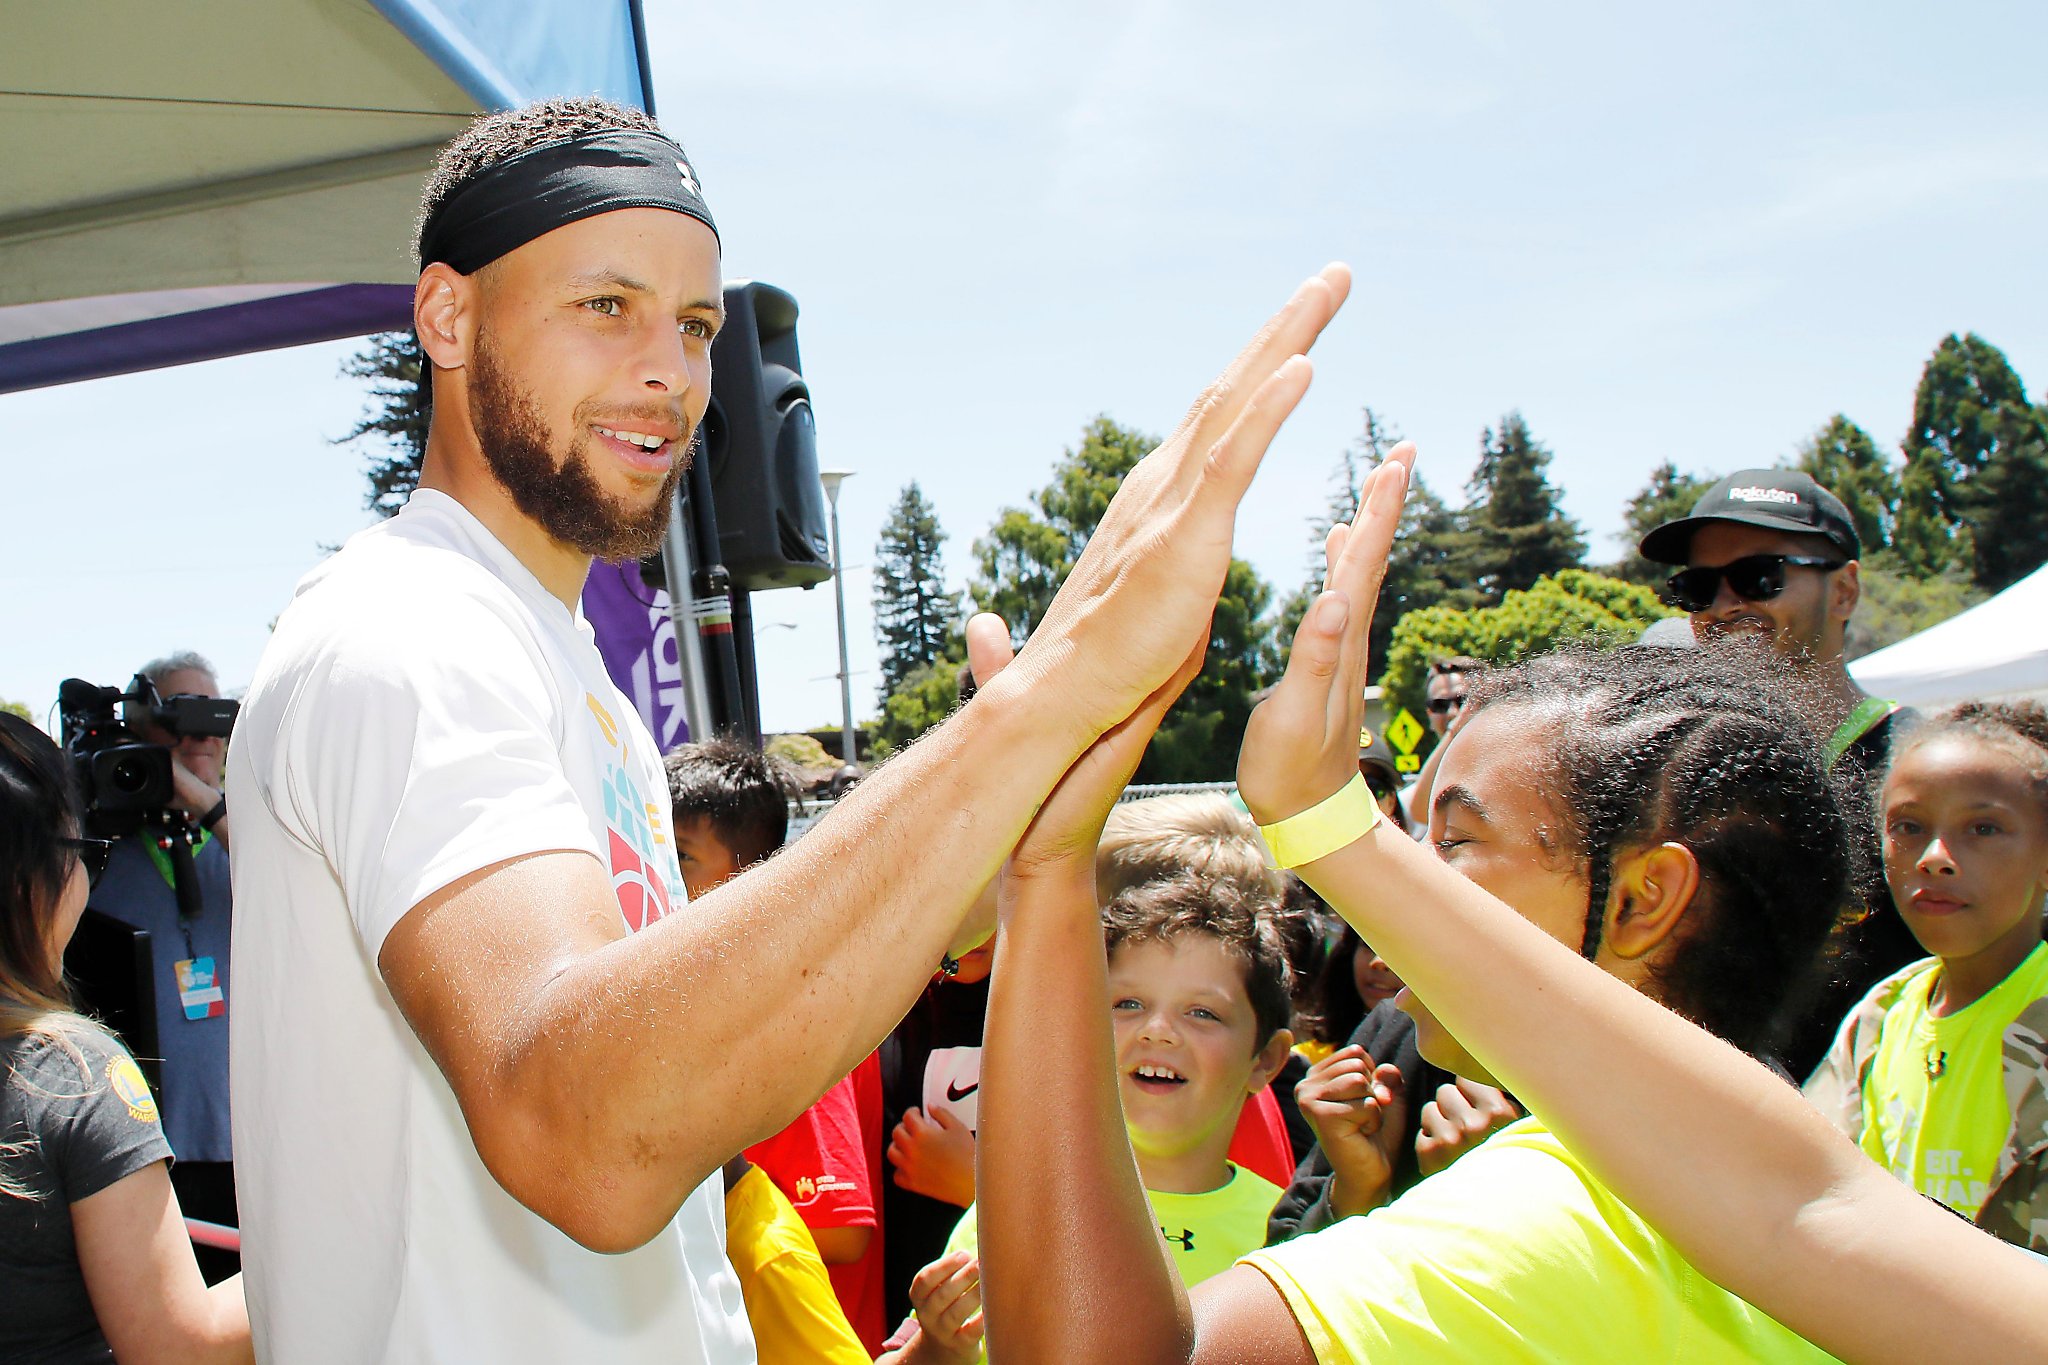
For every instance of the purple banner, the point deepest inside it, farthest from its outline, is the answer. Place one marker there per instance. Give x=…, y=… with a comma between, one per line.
x=637, y=638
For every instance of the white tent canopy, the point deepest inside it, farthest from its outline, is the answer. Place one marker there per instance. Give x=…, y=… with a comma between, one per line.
x=186, y=181
x=1997, y=648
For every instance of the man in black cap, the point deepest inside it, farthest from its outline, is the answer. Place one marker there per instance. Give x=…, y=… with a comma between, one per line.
x=1770, y=552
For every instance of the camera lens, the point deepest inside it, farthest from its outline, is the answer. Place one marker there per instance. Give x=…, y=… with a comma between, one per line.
x=129, y=775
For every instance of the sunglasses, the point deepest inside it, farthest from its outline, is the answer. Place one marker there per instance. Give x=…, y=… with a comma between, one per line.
x=1443, y=706
x=94, y=853
x=1753, y=578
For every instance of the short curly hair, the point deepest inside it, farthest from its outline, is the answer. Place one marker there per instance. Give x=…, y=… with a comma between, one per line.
x=2019, y=727
x=494, y=137
x=1243, y=918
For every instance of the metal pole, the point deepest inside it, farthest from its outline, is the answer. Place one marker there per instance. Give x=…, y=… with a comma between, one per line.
x=681, y=565
x=848, y=746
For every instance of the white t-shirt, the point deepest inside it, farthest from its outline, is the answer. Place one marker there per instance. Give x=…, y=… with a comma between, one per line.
x=425, y=709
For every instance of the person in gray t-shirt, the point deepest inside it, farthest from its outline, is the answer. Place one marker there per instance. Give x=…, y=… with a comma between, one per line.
x=75, y=1116
x=94, y=1264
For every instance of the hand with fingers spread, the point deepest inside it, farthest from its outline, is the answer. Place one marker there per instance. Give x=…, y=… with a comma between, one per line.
x=1301, y=744
x=1359, y=1114
x=1461, y=1117
x=1143, y=592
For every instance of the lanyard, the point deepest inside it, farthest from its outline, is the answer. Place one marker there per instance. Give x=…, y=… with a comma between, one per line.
x=1861, y=722
x=163, y=865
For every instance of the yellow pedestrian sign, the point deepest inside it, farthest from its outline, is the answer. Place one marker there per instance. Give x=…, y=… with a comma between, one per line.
x=1403, y=733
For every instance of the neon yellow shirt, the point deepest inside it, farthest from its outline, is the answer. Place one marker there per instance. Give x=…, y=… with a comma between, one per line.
x=788, y=1292
x=1205, y=1233
x=1514, y=1253
x=1934, y=1108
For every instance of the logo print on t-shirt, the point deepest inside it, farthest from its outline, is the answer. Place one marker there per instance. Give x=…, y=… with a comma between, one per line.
x=636, y=844
x=124, y=1078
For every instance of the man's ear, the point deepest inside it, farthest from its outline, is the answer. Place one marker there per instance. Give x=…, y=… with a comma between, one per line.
x=1845, y=591
x=444, y=315
x=1271, y=1058
x=1652, y=889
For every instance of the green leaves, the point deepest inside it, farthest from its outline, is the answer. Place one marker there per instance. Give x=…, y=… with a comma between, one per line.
x=1570, y=605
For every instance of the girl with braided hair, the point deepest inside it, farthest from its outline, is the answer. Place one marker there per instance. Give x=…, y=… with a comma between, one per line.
x=1669, y=819
x=1941, y=1074
x=1725, y=1166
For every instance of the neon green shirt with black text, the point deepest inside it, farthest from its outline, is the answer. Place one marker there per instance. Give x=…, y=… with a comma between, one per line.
x=1934, y=1108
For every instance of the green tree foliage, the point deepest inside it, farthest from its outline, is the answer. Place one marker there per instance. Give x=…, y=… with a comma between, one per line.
x=1570, y=605
x=2009, y=527
x=1972, y=456
x=1025, y=556
x=1199, y=739
x=1897, y=604
x=929, y=694
x=800, y=751
x=1522, y=533
x=1842, y=458
x=15, y=708
x=400, y=408
x=1669, y=495
x=917, y=622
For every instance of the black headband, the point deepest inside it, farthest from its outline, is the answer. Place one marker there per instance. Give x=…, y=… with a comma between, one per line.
x=509, y=203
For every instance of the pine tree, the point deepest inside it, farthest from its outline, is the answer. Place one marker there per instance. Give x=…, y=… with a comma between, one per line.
x=1969, y=413
x=1842, y=458
x=916, y=619
x=1432, y=562
x=2009, y=506
x=1668, y=496
x=1523, y=534
x=401, y=407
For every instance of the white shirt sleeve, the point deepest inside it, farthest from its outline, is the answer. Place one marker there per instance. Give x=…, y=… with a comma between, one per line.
x=423, y=747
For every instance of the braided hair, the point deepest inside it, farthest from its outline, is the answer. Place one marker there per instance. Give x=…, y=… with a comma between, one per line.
x=1703, y=748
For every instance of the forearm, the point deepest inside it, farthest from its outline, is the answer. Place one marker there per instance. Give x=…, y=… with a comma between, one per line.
x=1778, y=1208
x=658, y=1055
x=1073, y=1268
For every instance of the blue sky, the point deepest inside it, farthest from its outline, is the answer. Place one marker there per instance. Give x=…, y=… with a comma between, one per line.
x=1658, y=232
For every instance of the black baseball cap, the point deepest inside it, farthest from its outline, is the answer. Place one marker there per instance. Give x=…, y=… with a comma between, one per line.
x=1373, y=752
x=1780, y=499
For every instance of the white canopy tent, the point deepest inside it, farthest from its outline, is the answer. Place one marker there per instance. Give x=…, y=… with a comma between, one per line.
x=187, y=181
x=1996, y=649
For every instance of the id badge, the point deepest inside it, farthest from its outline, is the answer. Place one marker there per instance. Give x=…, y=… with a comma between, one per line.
x=197, y=991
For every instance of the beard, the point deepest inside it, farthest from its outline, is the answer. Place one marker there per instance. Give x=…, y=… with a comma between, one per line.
x=563, y=496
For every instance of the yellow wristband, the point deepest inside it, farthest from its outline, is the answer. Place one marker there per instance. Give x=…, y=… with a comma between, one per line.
x=1325, y=827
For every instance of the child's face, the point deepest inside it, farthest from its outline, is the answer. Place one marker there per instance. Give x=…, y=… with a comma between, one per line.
x=1966, y=847
x=1186, y=1042
x=705, y=859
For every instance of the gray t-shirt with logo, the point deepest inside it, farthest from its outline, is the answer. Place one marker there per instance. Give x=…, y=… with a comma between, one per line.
x=73, y=1120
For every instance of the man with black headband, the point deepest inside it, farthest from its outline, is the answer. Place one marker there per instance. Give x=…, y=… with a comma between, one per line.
x=480, y=1037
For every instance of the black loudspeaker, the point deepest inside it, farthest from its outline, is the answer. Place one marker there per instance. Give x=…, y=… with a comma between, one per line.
x=762, y=447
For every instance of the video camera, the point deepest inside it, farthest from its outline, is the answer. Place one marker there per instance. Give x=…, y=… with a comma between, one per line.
x=126, y=781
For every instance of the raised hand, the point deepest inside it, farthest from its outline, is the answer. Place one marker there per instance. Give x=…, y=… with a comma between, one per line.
x=1063, y=834
x=933, y=1155
x=1142, y=594
x=1359, y=1113
x=1460, y=1118
x=1301, y=744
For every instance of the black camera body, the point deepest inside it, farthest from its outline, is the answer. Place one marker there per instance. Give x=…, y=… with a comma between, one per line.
x=126, y=781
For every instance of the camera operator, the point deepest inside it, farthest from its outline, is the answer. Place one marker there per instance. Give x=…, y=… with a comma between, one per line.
x=188, y=954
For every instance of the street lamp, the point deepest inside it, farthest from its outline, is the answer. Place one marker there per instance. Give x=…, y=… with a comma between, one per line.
x=848, y=751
